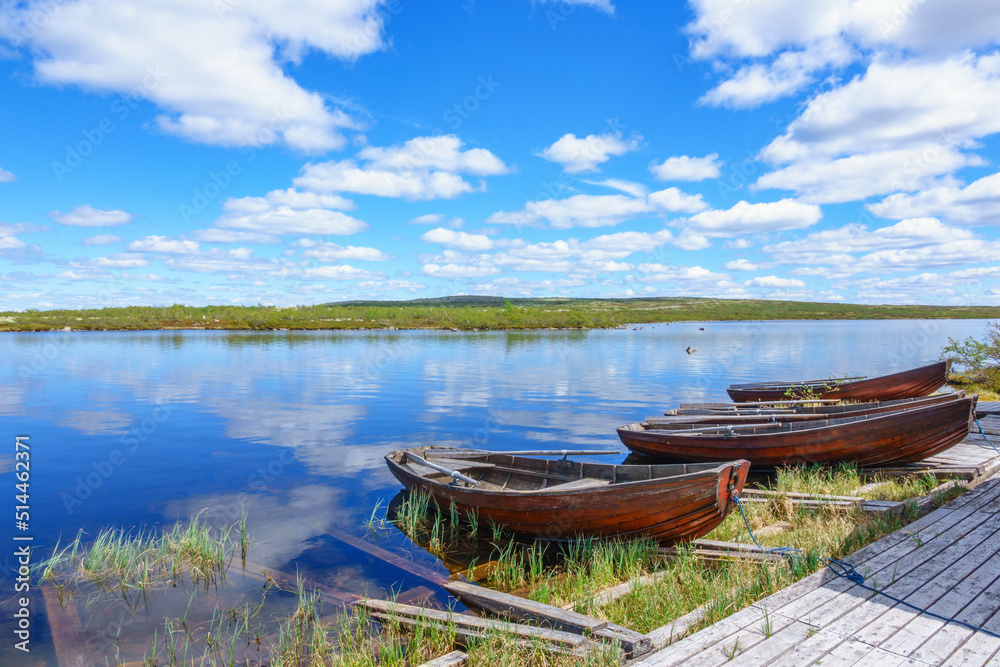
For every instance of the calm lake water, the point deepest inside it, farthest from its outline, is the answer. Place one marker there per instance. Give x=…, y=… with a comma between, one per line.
x=144, y=429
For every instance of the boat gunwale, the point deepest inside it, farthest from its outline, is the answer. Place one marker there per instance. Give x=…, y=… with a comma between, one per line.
x=711, y=469
x=847, y=382
x=802, y=426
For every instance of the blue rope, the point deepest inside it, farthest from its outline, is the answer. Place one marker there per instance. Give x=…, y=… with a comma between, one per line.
x=985, y=438
x=845, y=570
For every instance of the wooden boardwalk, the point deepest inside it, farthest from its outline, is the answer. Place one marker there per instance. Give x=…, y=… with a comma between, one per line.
x=948, y=562
x=971, y=460
x=987, y=408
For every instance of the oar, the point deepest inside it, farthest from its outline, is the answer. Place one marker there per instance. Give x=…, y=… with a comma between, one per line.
x=691, y=406
x=454, y=474
x=530, y=452
x=721, y=427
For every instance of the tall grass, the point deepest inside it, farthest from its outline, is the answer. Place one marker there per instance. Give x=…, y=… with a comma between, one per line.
x=126, y=561
x=844, y=479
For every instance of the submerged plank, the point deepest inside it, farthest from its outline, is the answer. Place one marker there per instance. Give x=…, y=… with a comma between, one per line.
x=265, y=574
x=417, y=570
x=68, y=636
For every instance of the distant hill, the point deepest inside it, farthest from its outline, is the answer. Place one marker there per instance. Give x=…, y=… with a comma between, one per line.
x=497, y=301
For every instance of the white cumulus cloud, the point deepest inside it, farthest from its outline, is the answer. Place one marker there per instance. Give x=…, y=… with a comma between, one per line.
x=762, y=217
x=289, y=212
x=774, y=281
x=163, y=244
x=576, y=211
x=578, y=155
x=88, y=216
x=421, y=169
x=102, y=239
x=458, y=240
x=672, y=199
x=686, y=168
x=328, y=252
x=977, y=203
x=215, y=69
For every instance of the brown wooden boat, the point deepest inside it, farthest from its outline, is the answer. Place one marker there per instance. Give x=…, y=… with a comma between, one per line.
x=789, y=411
x=561, y=499
x=902, y=435
x=913, y=383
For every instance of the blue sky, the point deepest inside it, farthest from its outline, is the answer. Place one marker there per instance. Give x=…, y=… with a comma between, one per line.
x=251, y=151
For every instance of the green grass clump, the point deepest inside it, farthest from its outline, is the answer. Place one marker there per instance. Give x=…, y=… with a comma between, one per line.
x=841, y=479
x=987, y=391
x=687, y=583
x=123, y=561
x=844, y=479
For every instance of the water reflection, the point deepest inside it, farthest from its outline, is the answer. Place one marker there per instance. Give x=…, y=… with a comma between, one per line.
x=144, y=428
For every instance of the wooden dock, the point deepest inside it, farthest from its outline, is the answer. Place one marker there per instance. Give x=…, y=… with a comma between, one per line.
x=972, y=460
x=947, y=562
x=984, y=408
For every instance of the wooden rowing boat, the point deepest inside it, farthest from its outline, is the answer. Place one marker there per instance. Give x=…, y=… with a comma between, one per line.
x=561, y=499
x=913, y=383
x=902, y=435
x=734, y=413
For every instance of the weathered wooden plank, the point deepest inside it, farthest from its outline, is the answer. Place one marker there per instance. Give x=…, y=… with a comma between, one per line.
x=767, y=647
x=979, y=649
x=754, y=554
x=378, y=552
x=519, y=609
x=940, y=641
x=870, y=620
x=808, y=589
x=453, y=659
x=469, y=628
x=677, y=628
x=609, y=595
x=264, y=573
x=984, y=408
x=767, y=493
x=878, y=556
x=853, y=652
x=68, y=637
x=832, y=502
x=903, y=630
x=821, y=643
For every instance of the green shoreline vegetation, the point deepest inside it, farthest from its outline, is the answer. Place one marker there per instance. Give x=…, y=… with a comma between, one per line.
x=468, y=313
x=123, y=566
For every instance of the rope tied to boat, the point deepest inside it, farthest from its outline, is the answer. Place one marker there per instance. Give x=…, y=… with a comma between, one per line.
x=982, y=433
x=846, y=570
